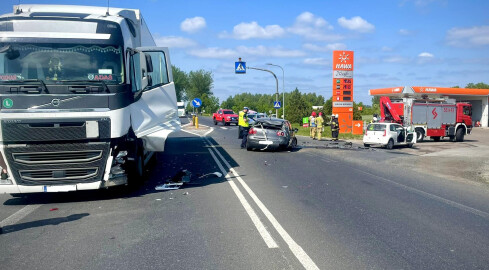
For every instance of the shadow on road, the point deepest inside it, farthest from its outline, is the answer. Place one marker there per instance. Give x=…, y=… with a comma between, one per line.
x=41, y=223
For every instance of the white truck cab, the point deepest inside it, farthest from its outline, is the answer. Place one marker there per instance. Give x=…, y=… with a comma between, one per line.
x=86, y=98
x=388, y=135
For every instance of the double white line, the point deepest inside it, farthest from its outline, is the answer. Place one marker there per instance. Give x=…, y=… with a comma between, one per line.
x=297, y=250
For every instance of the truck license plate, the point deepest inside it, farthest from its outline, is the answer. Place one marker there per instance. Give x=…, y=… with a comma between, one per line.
x=64, y=188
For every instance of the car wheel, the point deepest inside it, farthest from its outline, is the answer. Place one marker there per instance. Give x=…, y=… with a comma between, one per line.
x=419, y=134
x=460, y=135
x=410, y=145
x=390, y=144
x=366, y=145
x=436, y=139
x=293, y=144
x=215, y=122
x=223, y=122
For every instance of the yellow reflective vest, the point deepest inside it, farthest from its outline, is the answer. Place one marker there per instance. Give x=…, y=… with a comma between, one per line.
x=241, y=120
x=319, y=121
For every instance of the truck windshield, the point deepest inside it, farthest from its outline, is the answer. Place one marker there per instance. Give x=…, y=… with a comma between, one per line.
x=55, y=63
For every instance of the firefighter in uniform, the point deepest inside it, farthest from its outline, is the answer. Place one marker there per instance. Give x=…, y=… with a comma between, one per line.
x=312, y=125
x=244, y=126
x=334, y=127
x=319, y=125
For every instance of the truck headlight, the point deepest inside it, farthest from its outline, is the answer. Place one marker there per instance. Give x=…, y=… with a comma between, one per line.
x=120, y=158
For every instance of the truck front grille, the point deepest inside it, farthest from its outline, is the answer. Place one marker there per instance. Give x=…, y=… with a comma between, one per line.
x=57, y=174
x=57, y=164
x=57, y=157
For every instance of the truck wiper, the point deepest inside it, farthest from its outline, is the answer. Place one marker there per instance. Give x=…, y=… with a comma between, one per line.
x=41, y=82
x=89, y=82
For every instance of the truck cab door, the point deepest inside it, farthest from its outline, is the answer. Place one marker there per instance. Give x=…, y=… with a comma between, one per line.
x=154, y=112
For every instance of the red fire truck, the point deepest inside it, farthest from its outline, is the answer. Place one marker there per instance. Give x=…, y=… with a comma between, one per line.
x=436, y=118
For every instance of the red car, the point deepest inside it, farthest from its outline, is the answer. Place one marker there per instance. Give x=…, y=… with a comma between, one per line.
x=226, y=117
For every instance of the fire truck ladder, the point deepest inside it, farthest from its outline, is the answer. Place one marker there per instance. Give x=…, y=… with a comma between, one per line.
x=385, y=104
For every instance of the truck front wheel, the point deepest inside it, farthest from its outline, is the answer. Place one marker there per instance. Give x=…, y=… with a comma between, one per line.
x=460, y=135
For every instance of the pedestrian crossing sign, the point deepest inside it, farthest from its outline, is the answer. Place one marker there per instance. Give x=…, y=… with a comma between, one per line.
x=240, y=67
x=277, y=105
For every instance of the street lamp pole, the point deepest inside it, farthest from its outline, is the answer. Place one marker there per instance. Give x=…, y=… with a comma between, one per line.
x=276, y=80
x=283, y=88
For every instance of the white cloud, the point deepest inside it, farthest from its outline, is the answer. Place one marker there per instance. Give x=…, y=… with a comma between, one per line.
x=326, y=48
x=175, y=42
x=426, y=55
x=405, y=32
x=214, y=52
x=254, y=30
x=244, y=51
x=192, y=25
x=386, y=49
x=356, y=23
x=471, y=36
x=313, y=27
x=317, y=61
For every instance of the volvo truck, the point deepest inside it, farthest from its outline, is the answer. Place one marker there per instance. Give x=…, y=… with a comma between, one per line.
x=86, y=98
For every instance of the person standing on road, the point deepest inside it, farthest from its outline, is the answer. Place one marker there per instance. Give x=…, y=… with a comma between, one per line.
x=244, y=126
x=334, y=127
x=312, y=125
x=319, y=125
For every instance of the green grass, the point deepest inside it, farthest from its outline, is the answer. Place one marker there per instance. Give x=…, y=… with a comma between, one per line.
x=327, y=133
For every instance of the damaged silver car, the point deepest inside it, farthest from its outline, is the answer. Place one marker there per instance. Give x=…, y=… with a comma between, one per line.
x=271, y=134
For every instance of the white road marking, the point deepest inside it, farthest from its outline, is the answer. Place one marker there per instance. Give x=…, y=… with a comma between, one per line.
x=296, y=249
x=431, y=196
x=254, y=217
x=224, y=128
x=17, y=216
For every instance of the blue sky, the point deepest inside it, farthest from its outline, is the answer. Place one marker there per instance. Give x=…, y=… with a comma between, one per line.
x=396, y=42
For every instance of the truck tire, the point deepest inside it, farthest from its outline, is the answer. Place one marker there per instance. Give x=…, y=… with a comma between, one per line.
x=459, y=136
x=436, y=139
x=390, y=144
x=419, y=134
x=215, y=122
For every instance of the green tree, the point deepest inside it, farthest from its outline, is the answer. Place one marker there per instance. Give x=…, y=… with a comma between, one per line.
x=297, y=107
x=480, y=85
x=180, y=78
x=200, y=82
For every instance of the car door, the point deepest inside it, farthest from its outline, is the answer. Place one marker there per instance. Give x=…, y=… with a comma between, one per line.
x=154, y=113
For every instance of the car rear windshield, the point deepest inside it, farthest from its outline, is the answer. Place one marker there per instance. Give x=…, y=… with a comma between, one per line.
x=269, y=124
x=228, y=112
x=376, y=127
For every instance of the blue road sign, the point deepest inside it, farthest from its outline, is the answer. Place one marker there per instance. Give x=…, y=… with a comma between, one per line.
x=277, y=104
x=196, y=102
x=240, y=67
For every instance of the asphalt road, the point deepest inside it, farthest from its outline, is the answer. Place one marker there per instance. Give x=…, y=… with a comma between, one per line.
x=309, y=208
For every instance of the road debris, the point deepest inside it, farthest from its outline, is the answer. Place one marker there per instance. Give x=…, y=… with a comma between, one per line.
x=285, y=186
x=53, y=209
x=185, y=193
x=169, y=186
x=216, y=174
